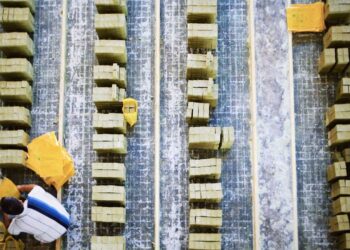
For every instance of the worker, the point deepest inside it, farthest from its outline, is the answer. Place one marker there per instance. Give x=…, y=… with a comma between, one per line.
x=41, y=214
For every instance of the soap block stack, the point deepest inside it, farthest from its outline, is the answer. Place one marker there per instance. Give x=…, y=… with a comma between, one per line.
x=205, y=190
x=110, y=78
x=16, y=71
x=335, y=60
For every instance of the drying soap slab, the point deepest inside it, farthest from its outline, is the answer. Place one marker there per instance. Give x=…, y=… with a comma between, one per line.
x=343, y=90
x=106, y=170
x=16, y=92
x=339, y=223
x=16, y=69
x=16, y=44
x=337, y=37
x=344, y=241
x=110, y=143
x=108, y=243
x=108, y=193
x=339, y=134
x=201, y=11
x=108, y=214
x=12, y=158
x=15, y=117
x=337, y=12
x=111, y=51
x=19, y=3
x=201, y=66
x=206, y=218
x=326, y=61
x=17, y=19
x=203, y=91
x=112, y=122
x=197, y=113
x=337, y=171
x=13, y=138
x=106, y=75
x=338, y=113
x=341, y=206
x=209, y=168
x=205, y=192
x=204, y=137
x=340, y=188
x=111, y=6
x=202, y=35
x=204, y=241
x=108, y=97
x=111, y=26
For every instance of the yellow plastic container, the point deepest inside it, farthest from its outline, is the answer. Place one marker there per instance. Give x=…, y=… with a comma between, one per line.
x=8, y=188
x=130, y=110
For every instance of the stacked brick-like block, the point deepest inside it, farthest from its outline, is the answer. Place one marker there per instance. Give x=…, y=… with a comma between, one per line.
x=205, y=190
x=17, y=75
x=335, y=60
x=108, y=121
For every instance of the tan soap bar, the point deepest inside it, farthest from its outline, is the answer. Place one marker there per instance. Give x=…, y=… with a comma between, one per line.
x=106, y=170
x=343, y=90
x=337, y=11
x=108, y=97
x=19, y=3
x=17, y=19
x=12, y=158
x=344, y=241
x=202, y=35
x=227, y=138
x=108, y=243
x=326, y=61
x=111, y=6
x=110, y=143
x=106, y=75
x=16, y=69
x=339, y=223
x=16, y=92
x=197, y=113
x=209, y=168
x=201, y=11
x=340, y=188
x=108, y=214
x=201, y=66
x=339, y=134
x=341, y=206
x=204, y=241
x=206, y=218
x=342, y=55
x=13, y=138
x=111, y=26
x=111, y=51
x=338, y=113
x=205, y=192
x=337, y=37
x=204, y=137
x=112, y=122
x=18, y=117
x=346, y=155
x=16, y=44
x=337, y=171
x=203, y=91
x=108, y=193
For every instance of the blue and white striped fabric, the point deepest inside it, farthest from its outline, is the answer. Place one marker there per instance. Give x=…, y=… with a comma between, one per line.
x=43, y=216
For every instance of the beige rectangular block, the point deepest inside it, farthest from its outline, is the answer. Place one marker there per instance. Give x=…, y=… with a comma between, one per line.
x=338, y=113
x=108, y=243
x=16, y=44
x=111, y=51
x=339, y=223
x=337, y=37
x=108, y=97
x=13, y=138
x=205, y=192
x=201, y=66
x=111, y=6
x=106, y=75
x=342, y=55
x=17, y=19
x=344, y=241
x=327, y=61
x=106, y=170
x=341, y=206
x=340, y=188
x=209, y=168
x=203, y=91
x=201, y=11
x=346, y=155
x=108, y=214
x=111, y=26
x=16, y=69
x=339, y=134
x=205, y=218
x=204, y=137
x=19, y=3
x=337, y=171
x=15, y=117
x=343, y=90
x=227, y=138
x=202, y=35
x=109, y=123
x=12, y=158
x=110, y=143
x=337, y=12
x=108, y=193
x=197, y=113
x=16, y=92
x=204, y=241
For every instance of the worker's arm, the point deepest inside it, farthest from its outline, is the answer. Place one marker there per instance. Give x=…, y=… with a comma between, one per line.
x=6, y=219
x=25, y=188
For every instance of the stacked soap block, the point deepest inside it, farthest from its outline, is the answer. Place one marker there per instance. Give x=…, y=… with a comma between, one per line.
x=205, y=189
x=335, y=60
x=110, y=77
x=17, y=75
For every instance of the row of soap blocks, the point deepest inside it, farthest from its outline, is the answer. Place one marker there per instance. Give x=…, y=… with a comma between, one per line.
x=335, y=60
x=16, y=71
x=110, y=78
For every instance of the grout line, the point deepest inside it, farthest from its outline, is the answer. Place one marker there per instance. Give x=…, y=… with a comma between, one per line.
x=253, y=143
x=157, y=126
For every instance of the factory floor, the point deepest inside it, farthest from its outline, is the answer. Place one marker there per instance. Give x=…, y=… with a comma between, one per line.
x=274, y=178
